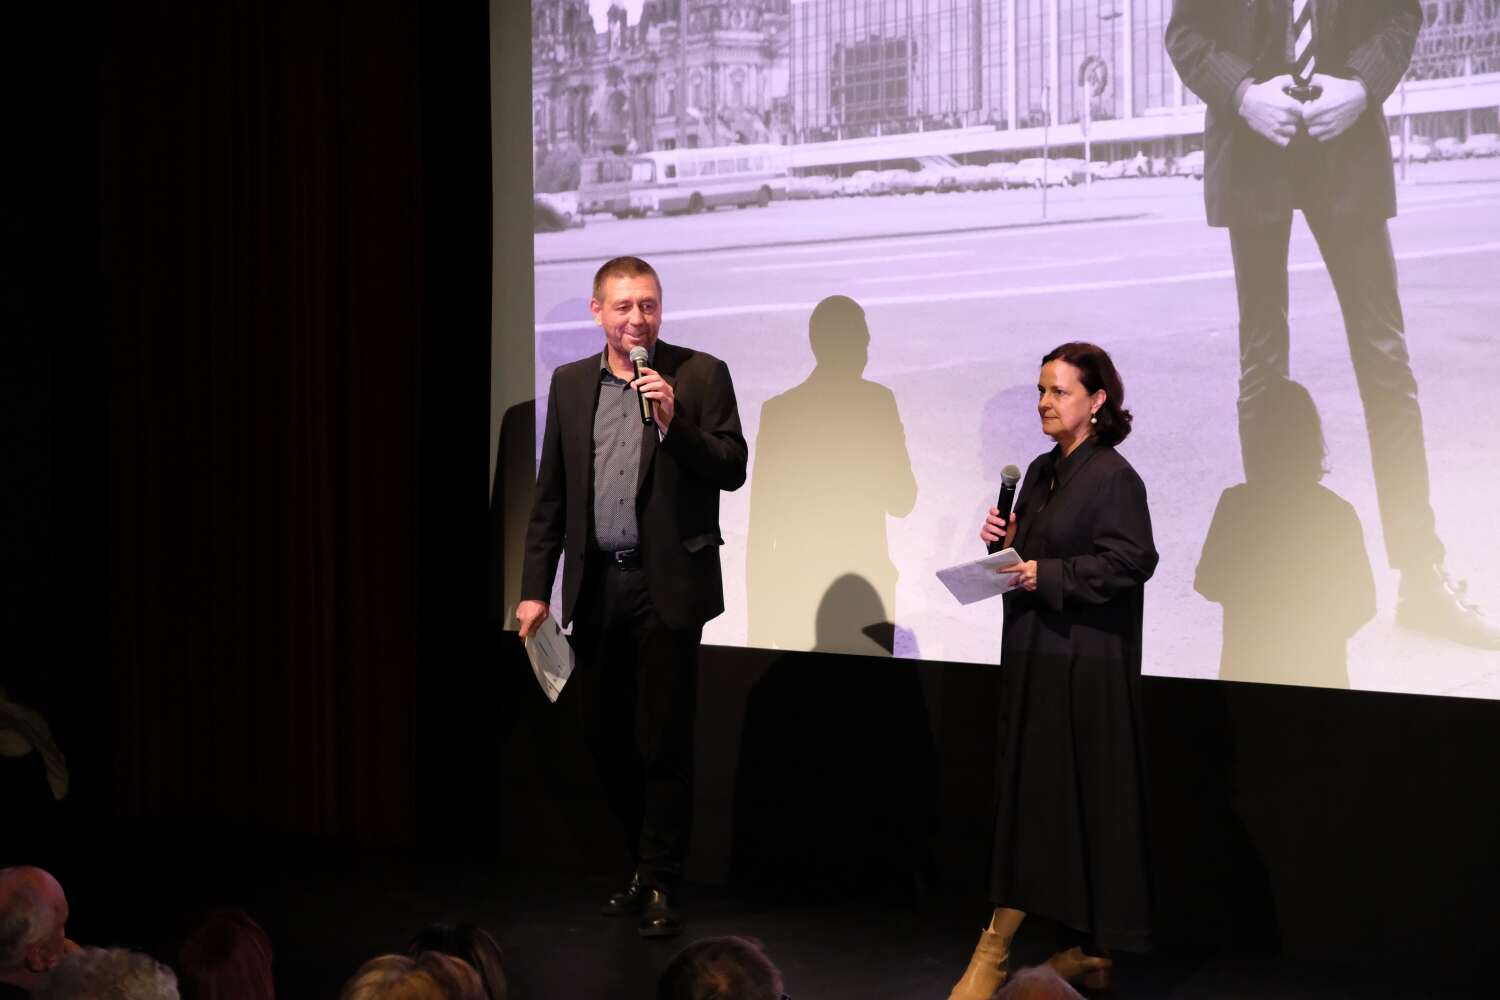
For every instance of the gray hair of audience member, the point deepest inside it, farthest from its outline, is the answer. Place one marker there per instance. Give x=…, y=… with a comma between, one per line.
x=429, y=976
x=720, y=968
x=471, y=943
x=109, y=974
x=32, y=911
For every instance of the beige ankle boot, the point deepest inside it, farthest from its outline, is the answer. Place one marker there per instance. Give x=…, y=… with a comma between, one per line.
x=1076, y=966
x=988, y=968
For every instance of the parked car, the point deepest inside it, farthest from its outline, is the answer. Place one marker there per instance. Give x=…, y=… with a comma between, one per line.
x=899, y=181
x=545, y=218
x=1482, y=144
x=996, y=173
x=563, y=203
x=974, y=178
x=862, y=182
x=1036, y=171
x=1447, y=148
x=1418, y=149
x=1076, y=170
x=936, y=178
x=1190, y=164
x=811, y=186
x=1107, y=170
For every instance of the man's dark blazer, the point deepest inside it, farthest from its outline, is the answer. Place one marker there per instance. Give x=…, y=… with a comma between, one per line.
x=1247, y=180
x=677, y=498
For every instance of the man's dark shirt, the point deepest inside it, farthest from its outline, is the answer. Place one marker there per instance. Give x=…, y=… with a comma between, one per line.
x=617, y=462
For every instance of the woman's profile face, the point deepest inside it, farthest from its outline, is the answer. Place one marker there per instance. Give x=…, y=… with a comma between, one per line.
x=1064, y=405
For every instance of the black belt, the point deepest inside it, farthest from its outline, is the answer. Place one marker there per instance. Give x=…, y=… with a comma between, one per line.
x=622, y=558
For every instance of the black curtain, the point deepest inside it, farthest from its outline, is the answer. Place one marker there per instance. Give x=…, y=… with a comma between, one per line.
x=261, y=410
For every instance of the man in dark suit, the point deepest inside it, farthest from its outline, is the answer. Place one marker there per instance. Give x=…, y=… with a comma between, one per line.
x=635, y=509
x=1294, y=90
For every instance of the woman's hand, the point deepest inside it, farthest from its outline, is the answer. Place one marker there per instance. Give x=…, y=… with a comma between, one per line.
x=993, y=528
x=1025, y=574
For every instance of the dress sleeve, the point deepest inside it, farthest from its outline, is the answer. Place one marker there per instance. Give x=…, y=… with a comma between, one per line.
x=1124, y=553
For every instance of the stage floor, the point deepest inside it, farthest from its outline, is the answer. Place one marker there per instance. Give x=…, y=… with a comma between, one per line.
x=327, y=912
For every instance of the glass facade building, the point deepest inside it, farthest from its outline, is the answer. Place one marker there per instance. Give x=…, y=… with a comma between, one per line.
x=872, y=67
x=869, y=67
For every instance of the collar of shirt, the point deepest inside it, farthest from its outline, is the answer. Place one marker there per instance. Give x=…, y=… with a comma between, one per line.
x=1064, y=466
x=606, y=374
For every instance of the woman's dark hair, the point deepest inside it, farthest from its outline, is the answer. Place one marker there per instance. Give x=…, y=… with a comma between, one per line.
x=1097, y=371
x=224, y=955
x=471, y=943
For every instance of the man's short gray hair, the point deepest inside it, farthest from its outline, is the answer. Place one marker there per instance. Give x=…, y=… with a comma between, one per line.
x=109, y=974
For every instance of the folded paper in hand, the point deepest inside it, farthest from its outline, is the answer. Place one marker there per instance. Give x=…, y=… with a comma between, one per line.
x=979, y=580
x=551, y=657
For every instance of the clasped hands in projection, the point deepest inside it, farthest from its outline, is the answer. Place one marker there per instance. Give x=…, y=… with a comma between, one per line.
x=1279, y=117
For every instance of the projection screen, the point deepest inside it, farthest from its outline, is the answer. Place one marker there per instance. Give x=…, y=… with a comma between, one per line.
x=976, y=181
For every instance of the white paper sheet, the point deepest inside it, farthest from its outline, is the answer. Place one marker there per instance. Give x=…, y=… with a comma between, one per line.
x=975, y=581
x=551, y=657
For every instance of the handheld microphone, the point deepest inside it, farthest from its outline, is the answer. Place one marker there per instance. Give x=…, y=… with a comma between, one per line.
x=1009, y=477
x=638, y=358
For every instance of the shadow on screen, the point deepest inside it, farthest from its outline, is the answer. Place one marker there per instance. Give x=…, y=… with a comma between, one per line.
x=1285, y=556
x=830, y=466
x=1008, y=434
x=835, y=791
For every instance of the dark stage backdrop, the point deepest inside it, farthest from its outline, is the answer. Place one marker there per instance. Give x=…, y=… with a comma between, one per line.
x=248, y=473
x=269, y=311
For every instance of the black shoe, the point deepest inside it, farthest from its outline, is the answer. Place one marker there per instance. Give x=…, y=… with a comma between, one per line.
x=627, y=902
x=1430, y=602
x=658, y=919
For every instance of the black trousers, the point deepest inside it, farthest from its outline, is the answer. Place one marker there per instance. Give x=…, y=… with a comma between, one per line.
x=635, y=689
x=1358, y=255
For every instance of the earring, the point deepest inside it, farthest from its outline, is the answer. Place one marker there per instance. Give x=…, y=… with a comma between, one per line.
x=1094, y=417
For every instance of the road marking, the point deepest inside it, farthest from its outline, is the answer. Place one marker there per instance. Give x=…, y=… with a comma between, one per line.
x=1036, y=266
x=1407, y=205
x=883, y=241
x=842, y=261
x=763, y=308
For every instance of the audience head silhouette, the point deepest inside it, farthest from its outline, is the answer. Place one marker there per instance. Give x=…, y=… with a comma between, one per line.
x=471, y=943
x=109, y=974
x=720, y=968
x=224, y=955
x=429, y=976
x=33, y=919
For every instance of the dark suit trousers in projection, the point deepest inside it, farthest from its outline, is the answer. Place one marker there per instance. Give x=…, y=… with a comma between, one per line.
x=1360, y=262
x=636, y=691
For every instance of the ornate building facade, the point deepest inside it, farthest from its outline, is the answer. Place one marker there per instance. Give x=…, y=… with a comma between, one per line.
x=652, y=85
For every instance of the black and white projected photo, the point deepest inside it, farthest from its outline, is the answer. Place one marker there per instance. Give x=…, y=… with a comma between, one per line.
x=883, y=213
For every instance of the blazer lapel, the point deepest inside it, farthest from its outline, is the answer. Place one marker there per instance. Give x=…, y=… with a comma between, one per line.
x=581, y=398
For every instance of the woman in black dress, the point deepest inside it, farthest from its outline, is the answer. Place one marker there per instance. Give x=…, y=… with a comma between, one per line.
x=1070, y=839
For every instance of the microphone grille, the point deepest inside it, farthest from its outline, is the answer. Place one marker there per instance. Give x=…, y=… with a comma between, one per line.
x=638, y=354
x=1010, y=475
